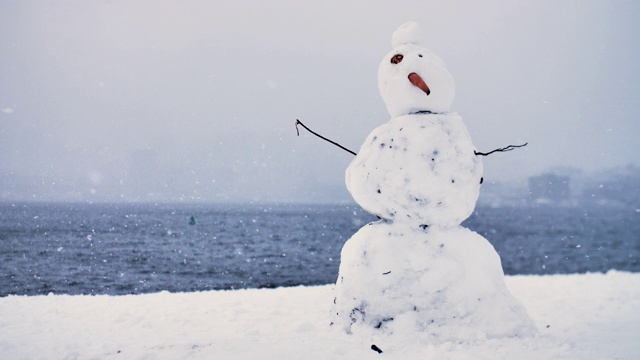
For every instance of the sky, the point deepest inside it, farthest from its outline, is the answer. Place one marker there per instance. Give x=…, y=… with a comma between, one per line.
x=195, y=101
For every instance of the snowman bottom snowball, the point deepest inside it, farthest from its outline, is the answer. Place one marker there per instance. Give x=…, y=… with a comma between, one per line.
x=445, y=284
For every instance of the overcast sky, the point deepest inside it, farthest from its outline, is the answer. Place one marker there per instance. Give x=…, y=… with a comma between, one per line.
x=196, y=100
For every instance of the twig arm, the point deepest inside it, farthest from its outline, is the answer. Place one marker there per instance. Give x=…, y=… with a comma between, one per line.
x=504, y=149
x=298, y=122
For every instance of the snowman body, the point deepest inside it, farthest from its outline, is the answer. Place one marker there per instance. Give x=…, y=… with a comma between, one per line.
x=417, y=271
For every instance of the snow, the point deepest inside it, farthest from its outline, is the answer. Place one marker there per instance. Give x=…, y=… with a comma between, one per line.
x=415, y=284
x=587, y=316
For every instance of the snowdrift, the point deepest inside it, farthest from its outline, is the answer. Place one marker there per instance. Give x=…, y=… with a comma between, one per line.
x=588, y=316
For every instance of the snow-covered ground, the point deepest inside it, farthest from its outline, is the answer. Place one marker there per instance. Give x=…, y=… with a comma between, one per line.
x=592, y=316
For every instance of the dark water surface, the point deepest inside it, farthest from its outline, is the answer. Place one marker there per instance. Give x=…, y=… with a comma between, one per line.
x=130, y=249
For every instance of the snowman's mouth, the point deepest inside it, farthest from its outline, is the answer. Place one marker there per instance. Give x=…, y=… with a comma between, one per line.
x=417, y=81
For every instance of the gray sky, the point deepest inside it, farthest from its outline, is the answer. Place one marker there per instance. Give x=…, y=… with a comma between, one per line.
x=196, y=101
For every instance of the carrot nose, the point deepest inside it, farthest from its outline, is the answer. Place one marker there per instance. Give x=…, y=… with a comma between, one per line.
x=416, y=80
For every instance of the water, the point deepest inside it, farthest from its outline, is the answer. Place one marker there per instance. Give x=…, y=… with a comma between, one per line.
x=131, y=249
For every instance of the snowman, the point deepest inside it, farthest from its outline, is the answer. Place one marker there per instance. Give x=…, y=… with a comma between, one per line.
x=417, y=273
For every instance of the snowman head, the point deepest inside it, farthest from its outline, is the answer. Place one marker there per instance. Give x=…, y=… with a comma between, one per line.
x=411, y=78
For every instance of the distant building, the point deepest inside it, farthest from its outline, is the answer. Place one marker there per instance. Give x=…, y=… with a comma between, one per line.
x=549, y=188
x=621, y=188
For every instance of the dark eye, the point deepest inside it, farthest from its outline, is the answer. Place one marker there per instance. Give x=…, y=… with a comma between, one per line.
x=397, y=58
x=419, y=55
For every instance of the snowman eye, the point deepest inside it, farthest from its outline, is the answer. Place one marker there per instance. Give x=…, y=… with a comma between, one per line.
x=397, y=58
x=419, y=55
